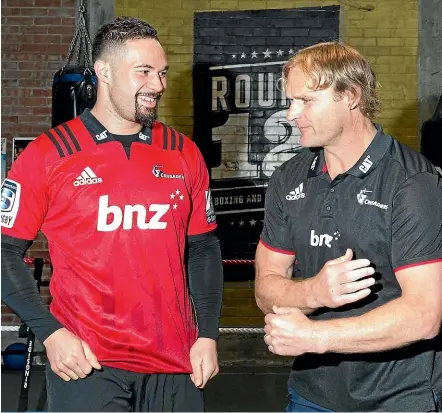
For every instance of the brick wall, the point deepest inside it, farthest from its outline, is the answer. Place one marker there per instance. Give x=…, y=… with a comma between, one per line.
x=387, y=35
x=36, y=35
x=35, y=39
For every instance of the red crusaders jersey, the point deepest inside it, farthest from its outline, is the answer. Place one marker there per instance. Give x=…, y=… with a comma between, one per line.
x=117, y=229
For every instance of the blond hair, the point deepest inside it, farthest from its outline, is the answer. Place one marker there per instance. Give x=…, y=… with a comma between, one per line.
x=338, y=65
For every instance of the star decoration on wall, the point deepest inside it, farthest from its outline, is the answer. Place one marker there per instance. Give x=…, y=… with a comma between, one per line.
x=266, y=54
x=246, y=223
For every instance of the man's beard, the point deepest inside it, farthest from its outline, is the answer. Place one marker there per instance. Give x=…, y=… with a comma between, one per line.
x=144, y=115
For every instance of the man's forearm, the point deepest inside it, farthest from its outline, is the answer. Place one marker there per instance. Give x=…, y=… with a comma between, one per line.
x=206, y=283
x=20, y=293
x=396, y=324
x=274, y=289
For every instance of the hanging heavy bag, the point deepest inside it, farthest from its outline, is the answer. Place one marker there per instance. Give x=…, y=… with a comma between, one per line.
x=431, y=142
x=74, y=87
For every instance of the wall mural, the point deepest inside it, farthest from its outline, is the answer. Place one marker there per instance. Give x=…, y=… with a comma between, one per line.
x=240, y=108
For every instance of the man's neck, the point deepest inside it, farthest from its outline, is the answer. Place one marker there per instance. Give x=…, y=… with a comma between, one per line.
x=349, y=147
x=113, y=122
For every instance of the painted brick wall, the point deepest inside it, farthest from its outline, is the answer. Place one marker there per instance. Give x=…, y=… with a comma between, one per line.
x=36, y=35
x=240, y=110
x=387, y=35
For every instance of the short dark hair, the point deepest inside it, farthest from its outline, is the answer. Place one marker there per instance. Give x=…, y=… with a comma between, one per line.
x=118, y=31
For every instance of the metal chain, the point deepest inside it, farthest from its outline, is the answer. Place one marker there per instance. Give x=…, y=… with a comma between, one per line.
x=86, y=41
x=71, y=48
x=80, y=42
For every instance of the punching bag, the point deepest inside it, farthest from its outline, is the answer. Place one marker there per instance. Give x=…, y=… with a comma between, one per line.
x=74, y=87
x=431, y=142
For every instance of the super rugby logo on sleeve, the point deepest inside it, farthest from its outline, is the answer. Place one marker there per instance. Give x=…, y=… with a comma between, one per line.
x=210, y=210
x=10, y=201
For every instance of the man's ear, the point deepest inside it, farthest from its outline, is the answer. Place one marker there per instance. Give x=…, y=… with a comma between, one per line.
x=354, y=96
x=102, y=70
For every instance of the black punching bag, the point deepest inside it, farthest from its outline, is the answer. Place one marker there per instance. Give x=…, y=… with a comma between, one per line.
x=431, y=142
x=74, y=87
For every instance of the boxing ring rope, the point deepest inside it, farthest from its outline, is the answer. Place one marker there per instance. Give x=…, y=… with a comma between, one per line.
x=222, y=330
x=30, y=261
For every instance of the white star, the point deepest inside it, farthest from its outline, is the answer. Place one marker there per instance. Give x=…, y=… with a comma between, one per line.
x=234, y=56
x=177, y=191
x=279, y=52
x=232, y=223
x=241, y=223
x=175, y=206
x=254, y=55
x=181, y=197
x=172, y=196
x=267, y=54
x=291, y=51
x=252, y=222
x=243, y=55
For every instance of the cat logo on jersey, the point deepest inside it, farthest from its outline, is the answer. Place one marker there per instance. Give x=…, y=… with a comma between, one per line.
x=210, y=210
x=10, y=200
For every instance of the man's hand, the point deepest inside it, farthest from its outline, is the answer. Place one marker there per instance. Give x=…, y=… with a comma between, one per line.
x=339, y=281
x=289, y=333
x=70, y=357
x=204, y=360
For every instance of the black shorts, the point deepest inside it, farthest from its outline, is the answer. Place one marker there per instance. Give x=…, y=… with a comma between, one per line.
x=115, y=390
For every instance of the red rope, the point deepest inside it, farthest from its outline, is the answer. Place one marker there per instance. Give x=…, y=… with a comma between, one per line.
x=30, y=261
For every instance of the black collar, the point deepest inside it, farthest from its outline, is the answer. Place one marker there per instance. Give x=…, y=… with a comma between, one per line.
x=366, y=163
x=101, y=135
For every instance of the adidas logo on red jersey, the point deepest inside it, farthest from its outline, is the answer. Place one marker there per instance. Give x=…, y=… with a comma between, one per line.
x=87, y=177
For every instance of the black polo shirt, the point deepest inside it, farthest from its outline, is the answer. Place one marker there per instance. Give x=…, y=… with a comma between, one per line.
x=386, y=208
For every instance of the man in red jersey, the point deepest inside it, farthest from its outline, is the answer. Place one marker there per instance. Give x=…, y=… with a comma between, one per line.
x=125, y=204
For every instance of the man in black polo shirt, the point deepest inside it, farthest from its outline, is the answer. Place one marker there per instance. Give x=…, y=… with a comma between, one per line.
x=358, y=222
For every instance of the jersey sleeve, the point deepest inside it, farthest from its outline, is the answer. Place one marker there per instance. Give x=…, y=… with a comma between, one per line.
x=23, y=195
x=275, y=233
x=202, y=218
x=417, y=221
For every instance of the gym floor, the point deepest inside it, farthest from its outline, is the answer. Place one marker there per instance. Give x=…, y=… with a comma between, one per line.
x=235, y=389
